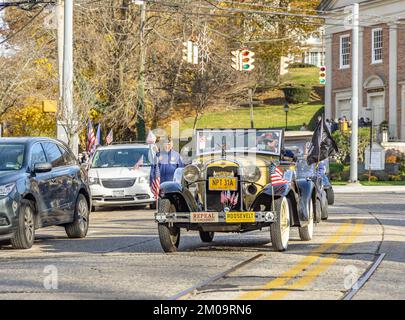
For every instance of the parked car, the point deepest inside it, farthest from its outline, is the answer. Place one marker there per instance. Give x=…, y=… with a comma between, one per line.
x=119, y=176
x=41, y=184
x=227, y=189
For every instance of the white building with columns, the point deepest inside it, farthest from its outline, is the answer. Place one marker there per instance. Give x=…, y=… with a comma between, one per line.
x=382, y=62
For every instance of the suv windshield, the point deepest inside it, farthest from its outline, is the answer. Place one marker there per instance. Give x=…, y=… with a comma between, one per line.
x=11, y=156
x=114, y=158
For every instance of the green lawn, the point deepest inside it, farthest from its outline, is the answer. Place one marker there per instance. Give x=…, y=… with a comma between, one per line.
x=302, y=76
x=264, y=117
x=383, y=183
x=372, y=184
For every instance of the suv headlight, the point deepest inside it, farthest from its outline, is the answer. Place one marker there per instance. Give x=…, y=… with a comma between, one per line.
x=6, y=189
x=191, y=173
x=143, y=180
x=94, y=180
x=252, y=174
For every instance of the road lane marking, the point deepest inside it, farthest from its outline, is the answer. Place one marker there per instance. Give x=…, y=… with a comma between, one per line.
x=295, y=270
x=324, y=263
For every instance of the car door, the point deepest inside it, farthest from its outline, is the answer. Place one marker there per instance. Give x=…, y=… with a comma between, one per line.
x=41, y=184
x=59, y=182
x=70, y=182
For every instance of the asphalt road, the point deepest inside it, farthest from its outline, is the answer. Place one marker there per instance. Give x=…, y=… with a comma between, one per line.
x=122, y=259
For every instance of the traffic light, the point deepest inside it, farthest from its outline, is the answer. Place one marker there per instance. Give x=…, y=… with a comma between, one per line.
x=237, y=61
x=322, y=75
x=247, y=60
x=190, y=52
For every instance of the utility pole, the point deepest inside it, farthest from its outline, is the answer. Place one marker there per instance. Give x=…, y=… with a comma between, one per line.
x=60, y=30
x=140, y=124
x=69, y=117
x=355, y=94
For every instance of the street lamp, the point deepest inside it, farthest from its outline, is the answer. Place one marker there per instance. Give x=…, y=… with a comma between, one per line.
x=286, y=109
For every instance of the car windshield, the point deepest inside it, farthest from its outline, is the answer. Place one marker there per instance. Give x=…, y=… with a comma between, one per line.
x=11, y=157
x=114, y=158
x=233, y=140
x=304, y=170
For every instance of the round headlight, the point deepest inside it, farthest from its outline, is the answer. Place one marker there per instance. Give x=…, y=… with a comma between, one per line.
x=252, y=174
x=191, y=173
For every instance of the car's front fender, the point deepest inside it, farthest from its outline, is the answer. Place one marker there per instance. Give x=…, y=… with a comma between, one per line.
x=306, y=190
x=179, y=196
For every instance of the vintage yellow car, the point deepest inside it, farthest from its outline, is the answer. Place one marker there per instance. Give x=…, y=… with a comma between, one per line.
x=228, y=187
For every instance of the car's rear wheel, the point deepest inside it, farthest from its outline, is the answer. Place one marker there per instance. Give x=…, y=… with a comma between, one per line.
x=152, y=206
x=306, y=233
x=318, y=211
x=280, y=229
x=207, y=236
x=331, y=196
x=325, y=213
x=169, y=236
x=25, y=235
x=80, y=225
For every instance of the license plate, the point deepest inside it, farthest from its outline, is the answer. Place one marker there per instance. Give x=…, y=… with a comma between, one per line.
x=223, y=184
x=118, y=193
x=240, y=217
x=203, y=217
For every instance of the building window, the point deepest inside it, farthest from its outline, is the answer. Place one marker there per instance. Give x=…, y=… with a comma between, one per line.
x=377, y=45
x=344, y=52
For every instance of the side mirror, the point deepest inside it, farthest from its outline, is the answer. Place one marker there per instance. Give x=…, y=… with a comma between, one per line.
x=42, y=167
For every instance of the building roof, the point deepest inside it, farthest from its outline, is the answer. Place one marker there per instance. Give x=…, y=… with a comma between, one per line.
x=327, y=5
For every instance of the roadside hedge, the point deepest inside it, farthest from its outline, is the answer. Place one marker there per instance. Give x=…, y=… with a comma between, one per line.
x=295, y=95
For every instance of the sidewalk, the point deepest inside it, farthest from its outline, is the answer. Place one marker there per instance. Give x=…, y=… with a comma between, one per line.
x=358, y=188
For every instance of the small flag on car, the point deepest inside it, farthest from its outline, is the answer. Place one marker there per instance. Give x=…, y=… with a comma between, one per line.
x=277, y=178
x=109, y=139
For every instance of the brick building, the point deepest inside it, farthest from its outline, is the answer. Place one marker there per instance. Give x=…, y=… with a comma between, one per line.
x=382, y=62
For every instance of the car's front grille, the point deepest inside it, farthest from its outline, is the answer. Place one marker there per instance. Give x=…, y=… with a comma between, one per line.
x=118, y=183
x=213, y=198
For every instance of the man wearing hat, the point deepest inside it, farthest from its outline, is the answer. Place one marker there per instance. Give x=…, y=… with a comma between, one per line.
x=169, y=160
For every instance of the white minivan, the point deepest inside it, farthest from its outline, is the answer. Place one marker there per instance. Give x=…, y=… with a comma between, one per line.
x=119, y=176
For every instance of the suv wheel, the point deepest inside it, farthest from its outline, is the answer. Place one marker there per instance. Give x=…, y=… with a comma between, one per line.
x=80, y=225
x=25, y=234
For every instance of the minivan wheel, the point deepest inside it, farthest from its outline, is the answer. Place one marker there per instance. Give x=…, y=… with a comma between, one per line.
x=80, y=225
x=25, y=235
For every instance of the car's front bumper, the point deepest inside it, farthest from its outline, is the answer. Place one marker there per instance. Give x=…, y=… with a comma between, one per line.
x=137, y=195
x=215, y=217
x=8, y=216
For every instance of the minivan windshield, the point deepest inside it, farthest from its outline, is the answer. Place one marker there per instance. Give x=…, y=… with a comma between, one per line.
x=125, y=157
x=11, y=157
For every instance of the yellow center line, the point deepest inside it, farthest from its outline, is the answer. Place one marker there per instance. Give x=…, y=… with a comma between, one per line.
x=295, y=270
x=322, y=266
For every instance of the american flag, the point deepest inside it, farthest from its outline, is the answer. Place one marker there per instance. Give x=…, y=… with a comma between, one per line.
x=277, y=178
x=109, y=139
x=138, y=164
x=155, y=180
x=91, y=138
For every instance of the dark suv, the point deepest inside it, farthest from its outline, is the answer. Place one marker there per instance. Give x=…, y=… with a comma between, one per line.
x=41, y=184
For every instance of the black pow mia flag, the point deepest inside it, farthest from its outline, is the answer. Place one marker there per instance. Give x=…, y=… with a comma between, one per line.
x=322, y=145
